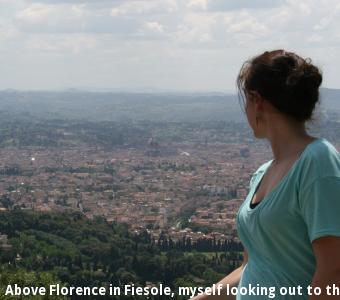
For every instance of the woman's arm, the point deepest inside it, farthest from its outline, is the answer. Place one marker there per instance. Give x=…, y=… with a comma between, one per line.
x=232, y=279
x=327, y=253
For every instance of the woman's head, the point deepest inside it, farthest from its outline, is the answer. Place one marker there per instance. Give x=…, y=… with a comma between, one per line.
x=287, y=81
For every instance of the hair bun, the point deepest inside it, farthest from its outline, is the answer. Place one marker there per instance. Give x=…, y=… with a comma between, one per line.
x=305, y=77
x=311, y=75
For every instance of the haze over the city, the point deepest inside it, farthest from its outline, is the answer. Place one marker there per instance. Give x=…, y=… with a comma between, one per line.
x=196, y=45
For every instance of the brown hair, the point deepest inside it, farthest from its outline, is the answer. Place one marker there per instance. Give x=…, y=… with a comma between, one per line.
x=289, y=82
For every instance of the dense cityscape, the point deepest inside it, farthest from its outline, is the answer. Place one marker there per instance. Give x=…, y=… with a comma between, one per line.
x=166, y=186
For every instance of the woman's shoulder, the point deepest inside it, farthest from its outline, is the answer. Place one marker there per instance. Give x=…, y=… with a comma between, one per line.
x=322, y=154
x=320, y=159
x=321, y=147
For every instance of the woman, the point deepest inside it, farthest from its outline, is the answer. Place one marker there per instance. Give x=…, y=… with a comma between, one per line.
x=289, y=223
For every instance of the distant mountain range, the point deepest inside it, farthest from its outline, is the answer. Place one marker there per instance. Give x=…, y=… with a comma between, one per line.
x=134, y=106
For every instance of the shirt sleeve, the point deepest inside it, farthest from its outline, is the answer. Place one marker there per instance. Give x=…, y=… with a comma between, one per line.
x=320, y=207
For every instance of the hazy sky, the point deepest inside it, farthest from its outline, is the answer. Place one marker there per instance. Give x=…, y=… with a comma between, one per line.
x=164, y=44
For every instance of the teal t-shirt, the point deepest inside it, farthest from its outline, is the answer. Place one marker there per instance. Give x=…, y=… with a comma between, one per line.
x=279, y=231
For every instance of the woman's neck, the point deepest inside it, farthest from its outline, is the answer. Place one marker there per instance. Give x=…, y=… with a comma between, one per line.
x=287, y=140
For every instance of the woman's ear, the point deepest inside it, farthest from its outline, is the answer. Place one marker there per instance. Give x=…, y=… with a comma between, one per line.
x=259, y=101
